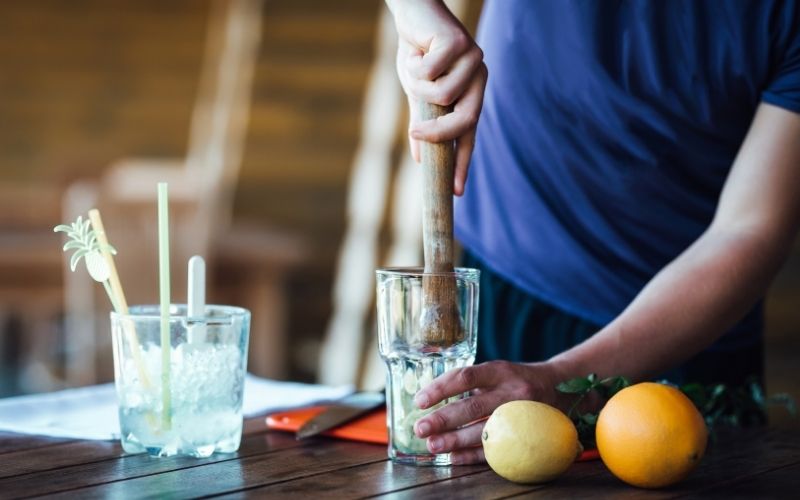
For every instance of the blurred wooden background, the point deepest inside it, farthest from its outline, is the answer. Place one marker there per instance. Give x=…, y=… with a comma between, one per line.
x=86, y=82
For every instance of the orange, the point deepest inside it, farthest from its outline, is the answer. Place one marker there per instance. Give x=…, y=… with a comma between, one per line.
x=651, y=435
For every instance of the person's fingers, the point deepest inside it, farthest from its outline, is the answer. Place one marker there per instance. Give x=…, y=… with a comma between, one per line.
x=413, y=144
x=466, y=143
x=453, y=125
x=468, y=456
x=464, y=147
x=440, y=56
x=404, y=54
x=457, y=414
x=413, y=117
x=448, y=88
x=444, y=128
x=458, y=381
x=413, y=58
x=466, y=437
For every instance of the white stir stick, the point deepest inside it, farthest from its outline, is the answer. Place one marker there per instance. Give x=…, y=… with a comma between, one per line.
x=197, y=299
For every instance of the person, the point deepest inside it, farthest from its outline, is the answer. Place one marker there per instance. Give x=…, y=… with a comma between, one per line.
x=634, y=186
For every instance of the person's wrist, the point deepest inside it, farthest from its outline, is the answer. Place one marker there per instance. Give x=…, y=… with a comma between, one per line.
x=542, y=379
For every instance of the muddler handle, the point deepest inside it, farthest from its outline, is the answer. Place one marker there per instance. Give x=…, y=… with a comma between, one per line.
x=440, y=324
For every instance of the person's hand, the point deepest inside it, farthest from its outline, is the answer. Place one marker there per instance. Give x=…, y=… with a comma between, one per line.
x=438, y=62
x=457, y=427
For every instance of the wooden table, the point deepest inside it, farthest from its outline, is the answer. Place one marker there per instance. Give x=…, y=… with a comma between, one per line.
x=747, y=464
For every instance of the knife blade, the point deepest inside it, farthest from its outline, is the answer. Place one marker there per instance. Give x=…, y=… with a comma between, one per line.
x=342, y=411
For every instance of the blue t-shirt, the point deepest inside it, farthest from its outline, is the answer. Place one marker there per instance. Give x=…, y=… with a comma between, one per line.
x=607, y=132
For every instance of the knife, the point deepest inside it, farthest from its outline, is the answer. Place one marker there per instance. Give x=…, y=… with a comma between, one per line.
x=342, y=411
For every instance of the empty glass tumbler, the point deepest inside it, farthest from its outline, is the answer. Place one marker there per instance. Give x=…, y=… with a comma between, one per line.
x=412, y=359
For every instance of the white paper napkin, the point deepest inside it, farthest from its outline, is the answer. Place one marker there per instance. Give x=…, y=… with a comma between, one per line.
x=91, y=412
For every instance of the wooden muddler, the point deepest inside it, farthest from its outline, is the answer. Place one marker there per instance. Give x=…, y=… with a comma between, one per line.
x=440, y=324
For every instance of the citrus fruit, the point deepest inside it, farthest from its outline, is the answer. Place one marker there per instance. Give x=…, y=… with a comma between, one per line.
x=650, y=435
x=529, y=442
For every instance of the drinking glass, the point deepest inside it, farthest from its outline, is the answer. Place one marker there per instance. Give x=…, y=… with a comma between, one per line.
x=412, y=361
x=186, y=400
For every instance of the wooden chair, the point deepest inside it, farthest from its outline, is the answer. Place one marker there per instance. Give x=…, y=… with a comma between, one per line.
x=201, y=188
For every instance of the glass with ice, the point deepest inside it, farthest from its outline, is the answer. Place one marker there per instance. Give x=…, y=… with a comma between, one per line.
x=411, y=362
x=203, y=373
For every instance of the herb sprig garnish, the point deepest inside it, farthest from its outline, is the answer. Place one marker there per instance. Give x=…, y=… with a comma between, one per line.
x=582, y=387
x=720, y=405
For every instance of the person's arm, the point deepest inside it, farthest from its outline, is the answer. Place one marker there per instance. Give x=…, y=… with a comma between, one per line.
x=438, y=62
x=710, y=286
x=683, y=309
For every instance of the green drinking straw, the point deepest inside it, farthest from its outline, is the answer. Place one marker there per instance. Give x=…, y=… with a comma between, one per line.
x=163, y=267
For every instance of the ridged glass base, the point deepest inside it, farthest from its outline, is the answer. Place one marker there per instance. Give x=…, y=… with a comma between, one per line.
x=420, y=460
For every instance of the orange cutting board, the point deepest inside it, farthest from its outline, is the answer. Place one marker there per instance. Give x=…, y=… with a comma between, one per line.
x=370, y=428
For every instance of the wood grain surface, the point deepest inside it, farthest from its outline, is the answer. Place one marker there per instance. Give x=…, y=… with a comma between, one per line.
x=754, y=463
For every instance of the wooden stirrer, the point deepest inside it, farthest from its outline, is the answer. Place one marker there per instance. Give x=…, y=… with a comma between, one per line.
x=440, y=324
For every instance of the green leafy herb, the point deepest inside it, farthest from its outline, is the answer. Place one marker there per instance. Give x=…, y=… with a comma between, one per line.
x=581, y=387
x=719, y=404
x=743, y=405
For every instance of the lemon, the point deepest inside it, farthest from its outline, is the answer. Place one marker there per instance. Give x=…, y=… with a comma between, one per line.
x=529, y=442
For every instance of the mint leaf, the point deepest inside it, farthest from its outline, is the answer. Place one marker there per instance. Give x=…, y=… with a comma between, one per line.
x=578, y=385
x=720, y=405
